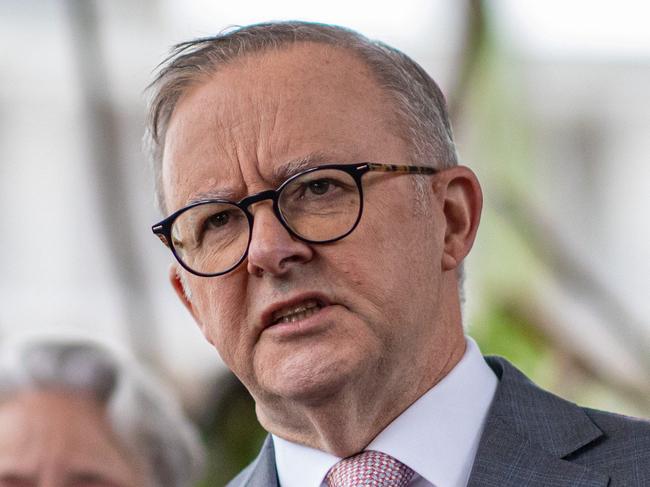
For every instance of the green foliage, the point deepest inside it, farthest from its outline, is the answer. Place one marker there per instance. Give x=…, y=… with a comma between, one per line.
x=232, y=436
x=502, y=331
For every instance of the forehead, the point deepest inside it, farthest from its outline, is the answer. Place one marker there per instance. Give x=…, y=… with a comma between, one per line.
x=41, y=428
x=266, y=110
x=50, y=410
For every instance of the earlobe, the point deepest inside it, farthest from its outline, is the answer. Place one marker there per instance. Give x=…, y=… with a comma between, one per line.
x=462, y=204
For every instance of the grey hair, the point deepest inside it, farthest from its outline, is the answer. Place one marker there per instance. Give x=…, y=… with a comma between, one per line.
x=141, y=412
x=418, y=101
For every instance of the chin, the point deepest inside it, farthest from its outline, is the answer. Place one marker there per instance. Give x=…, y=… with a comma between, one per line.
x=309, y=383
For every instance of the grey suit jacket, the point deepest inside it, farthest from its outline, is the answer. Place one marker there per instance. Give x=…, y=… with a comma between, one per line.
x=533, y=439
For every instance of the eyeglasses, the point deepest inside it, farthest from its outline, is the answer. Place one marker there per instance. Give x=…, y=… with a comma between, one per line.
x=320, y=205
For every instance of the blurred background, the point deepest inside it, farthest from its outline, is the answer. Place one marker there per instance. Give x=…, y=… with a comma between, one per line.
x=551, y=108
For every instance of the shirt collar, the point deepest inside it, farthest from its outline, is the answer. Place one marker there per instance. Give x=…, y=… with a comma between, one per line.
x=437, y=436
x=299, y=465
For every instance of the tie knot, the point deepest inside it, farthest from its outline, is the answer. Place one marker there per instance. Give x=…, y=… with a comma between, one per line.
x=369, y=468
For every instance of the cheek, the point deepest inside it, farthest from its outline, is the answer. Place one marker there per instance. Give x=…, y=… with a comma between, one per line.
x=221, y=314
x=384, y=245
x=368, y=283
x=392, y=257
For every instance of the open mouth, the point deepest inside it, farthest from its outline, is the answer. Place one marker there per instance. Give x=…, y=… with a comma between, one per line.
x=296, y=312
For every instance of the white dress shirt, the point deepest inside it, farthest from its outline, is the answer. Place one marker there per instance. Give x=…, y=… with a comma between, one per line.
x=437, y=436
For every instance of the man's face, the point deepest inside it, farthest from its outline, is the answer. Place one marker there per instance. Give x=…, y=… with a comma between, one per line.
x=381, y=319
x=56, y=439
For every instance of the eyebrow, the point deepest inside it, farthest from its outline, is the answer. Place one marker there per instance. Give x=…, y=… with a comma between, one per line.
x=284, y=171
x=213, y=194
x=18, y=478
x=280, y=173
x=91, y=477
x=70, y=479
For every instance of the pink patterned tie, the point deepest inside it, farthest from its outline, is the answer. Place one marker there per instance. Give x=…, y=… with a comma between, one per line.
x=369, y=468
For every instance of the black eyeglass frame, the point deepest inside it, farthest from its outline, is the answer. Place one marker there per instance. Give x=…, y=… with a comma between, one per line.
x=163, y=229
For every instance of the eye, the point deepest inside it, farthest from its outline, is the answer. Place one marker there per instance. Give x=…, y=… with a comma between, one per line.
x=319, y=186
x=217, y=220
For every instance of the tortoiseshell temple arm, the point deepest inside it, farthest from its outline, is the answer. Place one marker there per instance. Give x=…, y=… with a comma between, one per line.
x=373, y=166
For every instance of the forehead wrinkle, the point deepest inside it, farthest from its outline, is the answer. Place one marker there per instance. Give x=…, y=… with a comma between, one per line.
x=279, y=174
x=255, y=143
x=225, y=155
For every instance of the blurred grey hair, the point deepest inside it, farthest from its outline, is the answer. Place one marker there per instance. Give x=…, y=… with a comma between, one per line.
x=422, y=118
x=141, y=412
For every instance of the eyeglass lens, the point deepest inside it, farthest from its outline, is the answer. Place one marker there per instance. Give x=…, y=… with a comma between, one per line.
x=317, y=206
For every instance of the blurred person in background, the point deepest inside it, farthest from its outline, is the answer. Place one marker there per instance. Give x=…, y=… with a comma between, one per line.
x=73, y=413
x=319, y=220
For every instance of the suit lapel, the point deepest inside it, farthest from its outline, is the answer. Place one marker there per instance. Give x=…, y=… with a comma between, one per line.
x=508, y=460
x=263, y=472
x=527, y=436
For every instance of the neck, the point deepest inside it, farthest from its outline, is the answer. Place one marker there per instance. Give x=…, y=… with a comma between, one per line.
x=345, y=422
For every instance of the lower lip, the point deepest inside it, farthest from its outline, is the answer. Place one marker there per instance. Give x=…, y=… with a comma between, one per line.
x=305, y=326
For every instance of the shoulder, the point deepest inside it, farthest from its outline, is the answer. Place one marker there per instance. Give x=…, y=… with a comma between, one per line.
x=625, y=441
x=616, y=445
x=623, y=450
x=618, y=426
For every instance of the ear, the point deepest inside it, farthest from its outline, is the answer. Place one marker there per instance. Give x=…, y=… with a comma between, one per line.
x=179, y=287
x=184, y=295
x=462, y=201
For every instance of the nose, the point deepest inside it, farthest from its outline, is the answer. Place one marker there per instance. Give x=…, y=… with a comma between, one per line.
x=272, y=249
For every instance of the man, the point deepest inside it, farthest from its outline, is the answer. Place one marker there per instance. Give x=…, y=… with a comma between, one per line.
x=74, y=413
x=319, y=220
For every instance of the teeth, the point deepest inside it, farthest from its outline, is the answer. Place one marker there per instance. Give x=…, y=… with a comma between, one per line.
x=298, y=316
x=297, y=312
